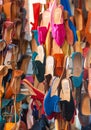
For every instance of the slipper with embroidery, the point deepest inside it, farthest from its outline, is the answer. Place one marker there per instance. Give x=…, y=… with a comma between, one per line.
x=65, y=91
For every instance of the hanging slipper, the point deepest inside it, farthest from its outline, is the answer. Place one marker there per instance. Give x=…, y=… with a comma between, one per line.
x=7, y=10
x=89, y=80
x=48, y=43
x=41, y=53
x=33, y=91
x=14, y=10
x=77, y=73
x=65, y=48
x=11, y=56
x=44, y=31
x=3, y=73
x=59, y=64
x=23, y=63
x=34, y=42
x=88, y=5
x=7, y=31
x=36, y=11
x=2, y=51
x=58, y=28
x=44, y=25
x=69, y=33
x=51, y=103
x=39, y=64
x=73, y=28
x=66, y=88
x=77, y=45
x=78, y=18
x=24, y=47
x=66, y=5
x=88, y=28
x=11, y=88
x=54, y=85
x=87, y=60
x=16, y=35
x=85, y=107
x=49, y=67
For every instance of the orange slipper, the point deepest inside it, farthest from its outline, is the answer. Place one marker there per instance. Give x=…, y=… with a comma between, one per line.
x=59, y=64
x=88, y=28
x=14, y=10
x=7, y=10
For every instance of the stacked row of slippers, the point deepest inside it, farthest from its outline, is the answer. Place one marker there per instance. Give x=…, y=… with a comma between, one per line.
x=61, y=58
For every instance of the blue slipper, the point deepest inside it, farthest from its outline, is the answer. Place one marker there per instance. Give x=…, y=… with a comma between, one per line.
x=73, y=28
x=51, y=104
x=36, y=36
x=66, y=5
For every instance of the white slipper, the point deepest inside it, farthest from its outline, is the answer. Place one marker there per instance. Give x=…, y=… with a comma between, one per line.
x=54, y=85
x=40, y=51
x=49, y=68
